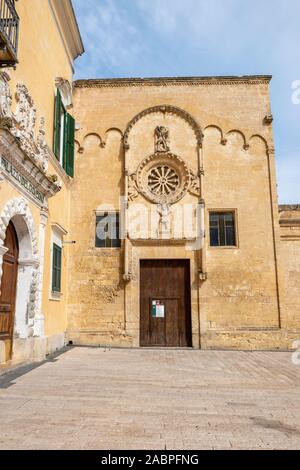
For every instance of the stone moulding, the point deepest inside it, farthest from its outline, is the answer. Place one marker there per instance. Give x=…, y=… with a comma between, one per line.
x=174, y=81
x=289, y=207
x=164, y=109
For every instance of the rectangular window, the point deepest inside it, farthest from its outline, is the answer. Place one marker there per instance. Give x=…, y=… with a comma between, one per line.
x=64, y=136
x=222, y=229
x=56, y=268
x=108, y=230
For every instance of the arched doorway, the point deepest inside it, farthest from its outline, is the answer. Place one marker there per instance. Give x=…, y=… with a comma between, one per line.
x=9, y=286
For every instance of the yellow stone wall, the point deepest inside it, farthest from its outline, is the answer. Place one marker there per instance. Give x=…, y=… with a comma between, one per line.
x=42, y=58
x=290, y=257
x=44, y=55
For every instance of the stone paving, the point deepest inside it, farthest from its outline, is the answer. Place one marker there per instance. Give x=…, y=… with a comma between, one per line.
x=90, y=398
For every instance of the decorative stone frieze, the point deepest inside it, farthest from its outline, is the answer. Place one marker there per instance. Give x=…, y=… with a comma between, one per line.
x=21, y=124
x=25, y=173
x=173, y=81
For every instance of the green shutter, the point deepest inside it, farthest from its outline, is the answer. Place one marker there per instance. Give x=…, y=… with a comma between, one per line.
x=56, y=268
x=57, y=125
x=69, y=142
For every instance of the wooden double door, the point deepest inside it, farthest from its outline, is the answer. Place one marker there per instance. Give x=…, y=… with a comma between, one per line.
x=165, y=303
x=9, y=284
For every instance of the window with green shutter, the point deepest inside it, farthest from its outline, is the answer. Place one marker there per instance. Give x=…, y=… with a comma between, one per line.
x=69, y=145
x=64, y=136
x=58, y=126
x=56, y=268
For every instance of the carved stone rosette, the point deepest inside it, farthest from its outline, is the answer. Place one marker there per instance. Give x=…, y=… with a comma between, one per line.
x=163, y=178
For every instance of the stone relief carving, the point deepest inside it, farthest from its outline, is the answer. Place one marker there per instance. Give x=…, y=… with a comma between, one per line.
x=194, y=184
x=21, y=124
x=25, y=116
x=132, y=187
x=161, y=139
x=5, y=100
x=43, y=155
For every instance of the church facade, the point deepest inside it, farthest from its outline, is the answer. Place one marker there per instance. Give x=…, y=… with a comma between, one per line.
x=136, y=212
x=184, y=168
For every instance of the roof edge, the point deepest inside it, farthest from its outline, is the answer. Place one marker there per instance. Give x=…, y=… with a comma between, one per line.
x=289, y=207
x=152, y=81
x=67, y=22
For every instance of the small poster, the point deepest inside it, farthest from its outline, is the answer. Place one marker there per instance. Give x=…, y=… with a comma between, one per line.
x=158, y=309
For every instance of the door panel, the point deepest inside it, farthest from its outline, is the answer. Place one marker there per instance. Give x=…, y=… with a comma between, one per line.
x=172, y=322
x=8, y=284
x=167, y=283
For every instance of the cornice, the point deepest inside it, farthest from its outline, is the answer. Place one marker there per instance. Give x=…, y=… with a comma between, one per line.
x=66, y=19
x=289, y=222
x=173, y=81
x=59, y=228
x=11, y=151
x=289, y=208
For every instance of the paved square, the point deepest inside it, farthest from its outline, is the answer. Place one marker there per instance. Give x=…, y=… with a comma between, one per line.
x=153, y=399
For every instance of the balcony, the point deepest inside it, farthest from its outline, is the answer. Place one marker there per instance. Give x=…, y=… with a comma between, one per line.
x=9, y=31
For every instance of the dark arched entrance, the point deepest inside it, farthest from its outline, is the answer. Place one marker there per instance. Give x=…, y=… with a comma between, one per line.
x=8, y=286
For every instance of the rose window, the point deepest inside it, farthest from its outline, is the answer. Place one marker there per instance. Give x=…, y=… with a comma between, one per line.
x=163, y=180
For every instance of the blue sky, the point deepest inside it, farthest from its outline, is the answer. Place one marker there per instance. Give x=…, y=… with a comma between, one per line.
x=146, y=38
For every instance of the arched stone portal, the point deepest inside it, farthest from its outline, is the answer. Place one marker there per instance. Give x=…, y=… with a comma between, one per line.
x=18, y=213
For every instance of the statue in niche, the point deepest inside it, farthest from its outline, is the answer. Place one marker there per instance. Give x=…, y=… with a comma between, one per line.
x=162, y=139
